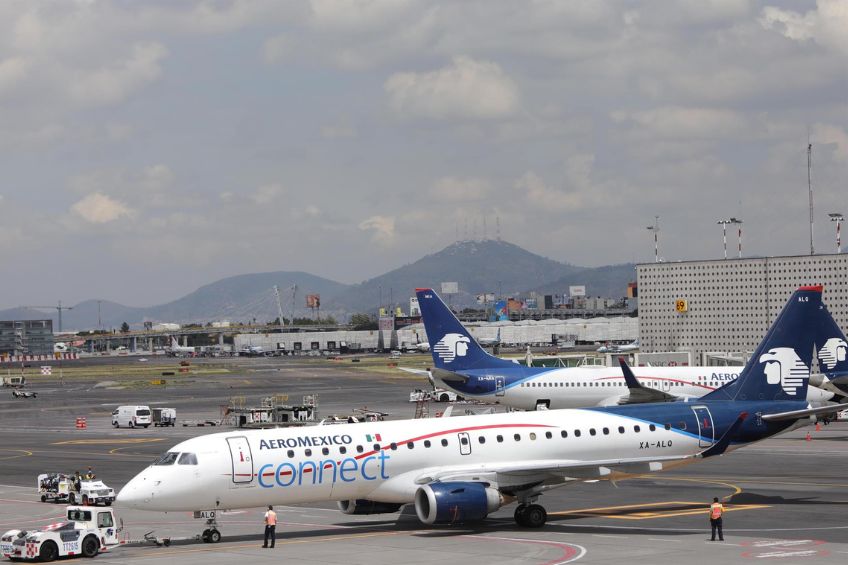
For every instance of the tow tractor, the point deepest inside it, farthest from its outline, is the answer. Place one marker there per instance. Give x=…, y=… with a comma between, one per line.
x=88, y=531
x=61, y=487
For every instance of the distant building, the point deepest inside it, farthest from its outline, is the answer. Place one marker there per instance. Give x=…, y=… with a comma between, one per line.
x=26, y=337
x=728, y=305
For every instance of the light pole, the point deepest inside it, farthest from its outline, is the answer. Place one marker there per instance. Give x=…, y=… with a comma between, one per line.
x=723, y=224
x=656, y=229
x=738, y=222
x=837, y=217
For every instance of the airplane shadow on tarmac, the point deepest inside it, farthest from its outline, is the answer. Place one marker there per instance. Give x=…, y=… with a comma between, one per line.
x=754, y=498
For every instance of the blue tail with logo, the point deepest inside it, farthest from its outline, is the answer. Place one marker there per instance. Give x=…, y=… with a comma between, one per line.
x=832, y=349
x=451, y=345
x=780, y=367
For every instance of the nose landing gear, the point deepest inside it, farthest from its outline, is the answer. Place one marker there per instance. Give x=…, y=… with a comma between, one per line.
x=211, y=533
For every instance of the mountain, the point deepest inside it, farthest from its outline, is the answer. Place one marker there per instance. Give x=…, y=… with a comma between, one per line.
x=608, y=281
x=478, y=266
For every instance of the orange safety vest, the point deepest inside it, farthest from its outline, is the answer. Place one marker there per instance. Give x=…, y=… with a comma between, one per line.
x=716, y=510
x=271, y=518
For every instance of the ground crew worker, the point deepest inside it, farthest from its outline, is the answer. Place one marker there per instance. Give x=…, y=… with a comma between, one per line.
x=89, y=475
x=716, y=510
x=77, y=480
x=270, y=526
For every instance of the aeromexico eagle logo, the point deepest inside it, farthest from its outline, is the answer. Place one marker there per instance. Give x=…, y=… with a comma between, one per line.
x=452, y=346
x=834, y=351
x=784, y=367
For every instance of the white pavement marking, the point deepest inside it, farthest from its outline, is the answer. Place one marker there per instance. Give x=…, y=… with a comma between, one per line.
x=664, y=539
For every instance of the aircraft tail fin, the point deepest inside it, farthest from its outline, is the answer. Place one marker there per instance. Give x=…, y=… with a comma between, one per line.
x=451, y=345
x=779, y=369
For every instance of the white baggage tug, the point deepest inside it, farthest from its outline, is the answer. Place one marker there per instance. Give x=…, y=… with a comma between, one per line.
x=89, y=530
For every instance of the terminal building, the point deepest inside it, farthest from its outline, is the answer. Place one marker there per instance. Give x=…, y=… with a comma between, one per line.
x=26, y=337
x=726, y=306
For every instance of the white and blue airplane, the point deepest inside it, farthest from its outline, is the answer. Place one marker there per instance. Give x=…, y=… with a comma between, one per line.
x=459, y=470
x=461, y=365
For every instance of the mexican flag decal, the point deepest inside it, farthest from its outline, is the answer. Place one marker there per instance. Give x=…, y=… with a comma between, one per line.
x=375, y=437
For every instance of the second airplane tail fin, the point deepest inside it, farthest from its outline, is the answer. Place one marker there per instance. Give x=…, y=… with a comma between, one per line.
x=779, y=369
x=451, y=345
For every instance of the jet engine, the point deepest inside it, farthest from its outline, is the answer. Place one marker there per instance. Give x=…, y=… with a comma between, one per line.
x=362, y=506
x=451, y=503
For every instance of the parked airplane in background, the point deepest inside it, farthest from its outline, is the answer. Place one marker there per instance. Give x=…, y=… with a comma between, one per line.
x=459, y=470
x=833, y=363
x=177, y=350
x=252, y=351
x=461, y=365
x=613, y=348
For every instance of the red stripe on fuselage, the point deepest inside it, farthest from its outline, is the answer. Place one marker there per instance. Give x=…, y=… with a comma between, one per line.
x=419, y=438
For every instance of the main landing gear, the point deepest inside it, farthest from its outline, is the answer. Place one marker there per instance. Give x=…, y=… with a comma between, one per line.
x=531, y=515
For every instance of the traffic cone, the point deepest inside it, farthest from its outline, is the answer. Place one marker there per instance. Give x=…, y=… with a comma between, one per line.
x=818, y=426
x=809, y=437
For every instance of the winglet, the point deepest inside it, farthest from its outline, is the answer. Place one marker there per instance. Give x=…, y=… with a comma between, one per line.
x=721, y=445
x=629, y=378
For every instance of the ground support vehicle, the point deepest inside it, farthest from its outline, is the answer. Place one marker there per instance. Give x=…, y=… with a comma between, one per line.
x=131, y=416
x=88, y=531
x=24, y=394
x=164, y=417
x=61, y=487
x=437, y=395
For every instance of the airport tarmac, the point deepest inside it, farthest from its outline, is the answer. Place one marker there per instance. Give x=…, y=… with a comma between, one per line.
x=787, y=497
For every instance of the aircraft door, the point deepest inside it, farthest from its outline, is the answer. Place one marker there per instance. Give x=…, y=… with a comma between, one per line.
x=464, y=443
x=499, y=386
x=666, y=385
x=706, y=432
x=242, y=460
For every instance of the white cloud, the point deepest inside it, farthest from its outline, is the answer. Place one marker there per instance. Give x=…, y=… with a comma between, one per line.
x=12, y=70
x=464, y=89
x=382, y=228
x=826, y=25
x=357, y=15
x=454, y=189
x=113, y=84
x=267, y=193
x=835, y=135
x=686, y=123
x=338, y=131
x=99, y=208
x=277, y=48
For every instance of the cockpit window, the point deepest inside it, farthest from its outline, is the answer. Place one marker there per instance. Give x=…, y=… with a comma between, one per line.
x=187, y=459
x=167, y=459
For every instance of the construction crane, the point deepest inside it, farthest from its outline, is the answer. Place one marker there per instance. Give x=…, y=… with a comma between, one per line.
x=59, y=308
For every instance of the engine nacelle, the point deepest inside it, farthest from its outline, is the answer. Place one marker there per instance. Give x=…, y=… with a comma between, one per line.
x=362, y=506
x=453, y=503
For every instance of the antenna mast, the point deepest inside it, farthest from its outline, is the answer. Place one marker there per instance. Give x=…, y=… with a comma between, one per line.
x=810, y=188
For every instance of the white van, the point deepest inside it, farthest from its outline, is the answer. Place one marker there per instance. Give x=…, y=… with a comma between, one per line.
x=131, y=416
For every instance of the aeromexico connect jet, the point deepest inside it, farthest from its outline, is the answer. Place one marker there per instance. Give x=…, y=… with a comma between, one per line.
x=461, y=469
x=461, y=365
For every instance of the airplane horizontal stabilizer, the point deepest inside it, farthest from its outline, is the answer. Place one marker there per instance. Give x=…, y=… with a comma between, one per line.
x=796, y=414
x=449, y=377
x=640, y=394
x=721, y=445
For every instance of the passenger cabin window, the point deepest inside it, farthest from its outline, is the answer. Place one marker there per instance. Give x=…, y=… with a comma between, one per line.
x=637, y=429
x=481, y=439
x=376, y=447
x=606, y=431
x=359, y=449
x=549, y=435
x=410, y=445
x=621, y=429
x=325, y=451
x=307, y=452
x=500, y=439
x=444, y=443
x=290, y=453
x=187, y=459
x=517, y=437
x=532, y=436
x=592, y=431
x=426, y=443
x=168, y=458
x=463, y=440
x=563, y=433
x=342, y=450
x=652, y=427
x=576, y=433
x=394, y=446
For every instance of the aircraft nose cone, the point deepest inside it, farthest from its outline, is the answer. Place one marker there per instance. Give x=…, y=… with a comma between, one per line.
x=136, y=493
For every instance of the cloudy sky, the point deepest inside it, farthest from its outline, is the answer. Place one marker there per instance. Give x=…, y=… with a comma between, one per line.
x=147, y=148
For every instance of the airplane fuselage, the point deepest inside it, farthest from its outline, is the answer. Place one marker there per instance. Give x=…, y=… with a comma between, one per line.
x=526, y=388
x=387, y=461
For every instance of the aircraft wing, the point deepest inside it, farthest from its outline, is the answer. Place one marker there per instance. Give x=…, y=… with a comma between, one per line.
x=639, y=393
x=795, y=414
x=422, y=372
x=449, y=377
